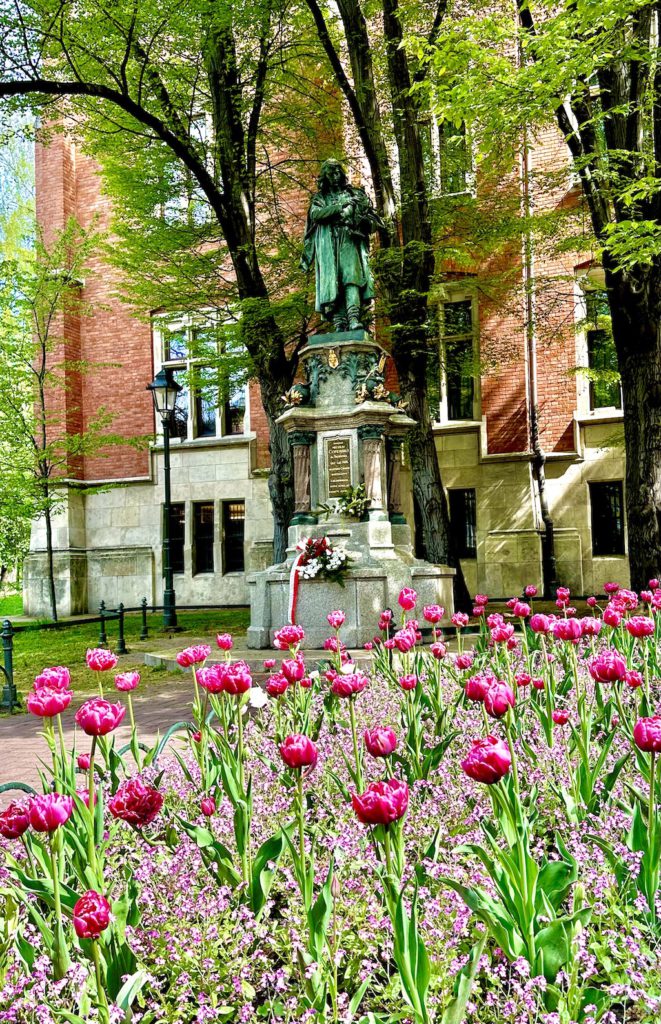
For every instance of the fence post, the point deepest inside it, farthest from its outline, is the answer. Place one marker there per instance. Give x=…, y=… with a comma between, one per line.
x=103, y=638
x=9, y=695
x=121, y=643
x=144, y=633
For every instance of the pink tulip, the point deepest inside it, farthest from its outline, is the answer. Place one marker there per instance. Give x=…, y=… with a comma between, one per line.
x=127, y=681
x=591, y=602
x=98, y=717
x=633, y=679
x=438, y=650
x=607, y=667
x=540, y=623
x=563, y=594
x=288, y=636
x=647, y=734
x=336, y=619
x=276, y=685
x=567, y=629
x=523, y=679
x=47, y=703
x=136, y=803
x=646, y=596
x=488, y=760
x=498, y=699
x=612, y=616
x=382, y=803
x=433, y=613
x=502, y=633
x=196, y=737
x=464, y=661
x=611, y=588
x=299, y=751
x=590, y=626
x=460, y=619
x=521, y=610
x=380, y=741
x=58, y=678
x=91, y=915
x=293, y=669
x=640, y=626
x=538, y=684
x=404, y=640
x=237, y=678
x=560, y=716
x=478, y=610
x=224, y=641
x=477, y=686
x=408, y=682
x=211, y=678
x=385, y=619
x=530, y=591
x=407, y=599
x=193, y=655
x=83, y=761
x=208, y=806
x=368, y=646
x=269, y=663
x=481, y=599
x=100, y=660
x=49, y=811
x=14, y=820
x=350, y=684
x=653, y=584
x=496, y=619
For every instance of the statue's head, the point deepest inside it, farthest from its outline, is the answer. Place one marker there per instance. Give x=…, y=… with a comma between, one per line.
x=332, y=176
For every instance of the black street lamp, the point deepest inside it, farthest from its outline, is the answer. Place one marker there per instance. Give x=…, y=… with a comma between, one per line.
x=165, y=389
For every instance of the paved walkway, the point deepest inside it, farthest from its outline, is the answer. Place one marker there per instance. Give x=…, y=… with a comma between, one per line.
x=22, y=747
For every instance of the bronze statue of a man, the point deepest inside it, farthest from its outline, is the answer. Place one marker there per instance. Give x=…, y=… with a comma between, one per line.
x=340, y=221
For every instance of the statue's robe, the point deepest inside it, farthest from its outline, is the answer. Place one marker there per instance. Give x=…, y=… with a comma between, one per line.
x=338, y=251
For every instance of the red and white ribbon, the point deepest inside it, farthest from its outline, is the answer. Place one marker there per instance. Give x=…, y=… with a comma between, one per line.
x=295, y=579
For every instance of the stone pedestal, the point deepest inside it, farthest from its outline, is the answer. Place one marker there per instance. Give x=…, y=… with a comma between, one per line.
x=346, y=429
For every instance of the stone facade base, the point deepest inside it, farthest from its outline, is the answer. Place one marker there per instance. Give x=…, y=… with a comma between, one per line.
x=381, y=564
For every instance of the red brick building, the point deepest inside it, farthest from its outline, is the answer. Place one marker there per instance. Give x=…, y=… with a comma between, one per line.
x=500, y=356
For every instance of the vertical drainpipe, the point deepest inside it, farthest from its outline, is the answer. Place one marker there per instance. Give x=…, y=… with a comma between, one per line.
x=538, y=454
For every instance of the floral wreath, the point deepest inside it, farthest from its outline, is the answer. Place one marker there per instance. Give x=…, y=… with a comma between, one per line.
x=316, y=557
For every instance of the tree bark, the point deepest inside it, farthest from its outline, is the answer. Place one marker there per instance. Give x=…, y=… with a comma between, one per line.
x=49, y=555
x=635, y=304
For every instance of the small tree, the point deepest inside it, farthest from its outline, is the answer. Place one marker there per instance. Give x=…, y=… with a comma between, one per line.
x=39, y=288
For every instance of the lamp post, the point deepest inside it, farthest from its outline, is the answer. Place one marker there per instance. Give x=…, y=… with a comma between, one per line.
x=164, y=389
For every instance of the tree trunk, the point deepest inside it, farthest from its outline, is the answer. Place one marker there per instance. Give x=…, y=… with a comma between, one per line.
x=635, y=305
x=49, y=556
x=281, y=476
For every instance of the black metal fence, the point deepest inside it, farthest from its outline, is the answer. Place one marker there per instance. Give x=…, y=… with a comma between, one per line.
x=10, y=698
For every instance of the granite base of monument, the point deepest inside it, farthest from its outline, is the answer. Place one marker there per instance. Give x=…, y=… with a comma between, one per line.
x=381, y=563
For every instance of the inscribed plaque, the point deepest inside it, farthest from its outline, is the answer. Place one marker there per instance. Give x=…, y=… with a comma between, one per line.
x=338, y=465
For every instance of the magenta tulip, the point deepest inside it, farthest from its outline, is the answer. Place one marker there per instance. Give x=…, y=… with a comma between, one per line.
x=101, y=660
x=49, y=811
x=380, y=741
x=498, y=699
x=488, y=760
x=91, y=915
x=647, y=734
x=14, y=820
x=382, y=802
x=127, y=681
x=607, y=667
x=298, y=751
x=57, y=678
x=98, y=717
x=47, y=703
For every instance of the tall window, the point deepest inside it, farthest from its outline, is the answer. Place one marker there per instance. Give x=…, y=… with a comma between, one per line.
x=454, y=159
x=463, y=521
x=458, y=358
x=606, y=506
x=212, y=402
x=177, y=535
x=203, y=537
x=602, y=357
x=234, y=522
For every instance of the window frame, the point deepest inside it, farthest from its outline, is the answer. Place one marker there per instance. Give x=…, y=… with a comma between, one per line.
x=594, y=533
x=196, y=570
x=450, y=296
x=224, y=508
x=591, y=281
x=464, y=552
x=470, y=178
x=188, y=366
x=175, y=505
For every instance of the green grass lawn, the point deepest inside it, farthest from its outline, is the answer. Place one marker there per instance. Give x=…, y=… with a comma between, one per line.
x=66, y=645
x=11, y=604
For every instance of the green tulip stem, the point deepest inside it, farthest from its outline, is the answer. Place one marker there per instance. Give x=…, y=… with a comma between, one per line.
x=301, y=839
x=62, y=746
x=134, y=734
x=356, y=752
x=28, y=855
x=239, y=713
x=104, y=1015
x=651, y=833
x=91, y=840
x=198, y=703
x=60, y=956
